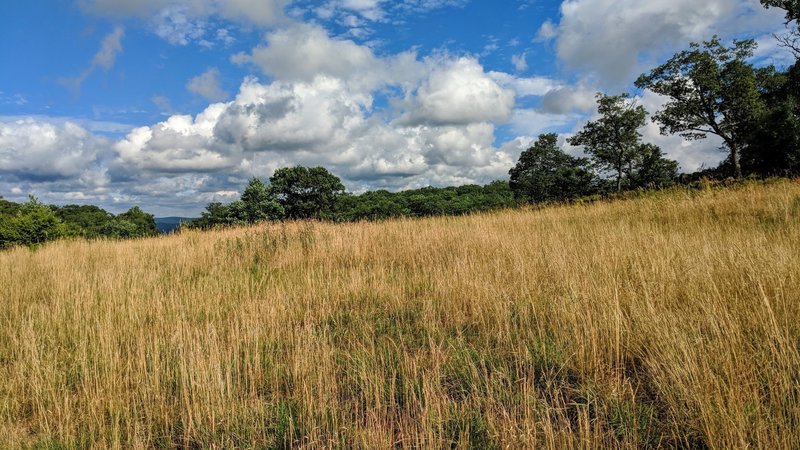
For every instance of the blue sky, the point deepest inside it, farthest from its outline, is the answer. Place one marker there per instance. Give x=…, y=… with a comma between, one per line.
x=170, y=104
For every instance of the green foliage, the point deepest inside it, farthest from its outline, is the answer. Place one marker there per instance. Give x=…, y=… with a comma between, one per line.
x=774, y=147
x=651, y=169
x=85, y=220
x=711, y=90
x=613, y=140
x=545, y=173
x=306, y=193
x=8, y=208
x=424, y=202
x=614, y=144
x=145, y=224
x=34, y=223
x=257, y=204
x=314, y=193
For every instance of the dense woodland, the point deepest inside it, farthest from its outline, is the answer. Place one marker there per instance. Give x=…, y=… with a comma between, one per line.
x=711, y=89
x=33, y=223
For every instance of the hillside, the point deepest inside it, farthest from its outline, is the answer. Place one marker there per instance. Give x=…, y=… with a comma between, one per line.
x=170, y=224
x=672, y=320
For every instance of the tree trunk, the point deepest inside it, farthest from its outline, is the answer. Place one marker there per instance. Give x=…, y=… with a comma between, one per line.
x=619, y=180
x=736, y=158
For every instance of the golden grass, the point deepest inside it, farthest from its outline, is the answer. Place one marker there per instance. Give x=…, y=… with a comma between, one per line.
x=671, y=320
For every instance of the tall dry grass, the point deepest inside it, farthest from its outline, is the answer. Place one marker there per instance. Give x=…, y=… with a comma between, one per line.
x=667, y=321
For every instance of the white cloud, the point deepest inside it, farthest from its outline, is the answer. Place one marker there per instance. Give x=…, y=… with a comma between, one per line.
x=175, y=26
x=32, y=148
x=287, y=116
x=525, y=87
x=547, y=32
x=520, y=62
x=459, y=92
x=569, y=99
x=110, y=47
x=302, y=52
x=181, y=22
x=208, y=86
x=178, y=144
x=258, y=12
x=532, y=121
x=616, y=39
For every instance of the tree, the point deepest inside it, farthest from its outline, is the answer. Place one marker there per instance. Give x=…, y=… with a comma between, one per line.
x=215, y=214
x=652, y=169
x=711, y=90
x=306, y=193
x=545, y=173
x=34, y=223
x=258, y=204
x=86, y=220
x=144, y=223
x=613, y=140
x=774, y=147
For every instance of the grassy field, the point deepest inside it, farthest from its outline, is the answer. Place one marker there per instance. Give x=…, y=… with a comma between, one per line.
x=671, y=320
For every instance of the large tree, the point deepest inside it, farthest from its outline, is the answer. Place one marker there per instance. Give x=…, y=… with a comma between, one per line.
x=774, y=147
x=258, y=204
x=306, y=193
x=652, y=169
x=545, y=173
x=711, y=89
x=613, y=140
x=144, y=224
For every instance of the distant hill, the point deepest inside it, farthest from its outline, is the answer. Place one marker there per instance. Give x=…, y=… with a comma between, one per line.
x=170, y=224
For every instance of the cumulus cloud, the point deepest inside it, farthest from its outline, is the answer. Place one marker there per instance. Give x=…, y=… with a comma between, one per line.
x=31, y=148
x=525, y=87
x=178, y=144
x=303, y=51
x=569, y=99
x=614, y=39
x=326, y=121
x=207, y=85
x=459, y=92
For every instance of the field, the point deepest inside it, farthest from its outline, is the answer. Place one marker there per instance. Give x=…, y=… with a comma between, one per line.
x=670, y=320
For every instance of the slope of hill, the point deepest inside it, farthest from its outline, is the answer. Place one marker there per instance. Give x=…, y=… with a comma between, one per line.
x=672, y=320
x=170, y=224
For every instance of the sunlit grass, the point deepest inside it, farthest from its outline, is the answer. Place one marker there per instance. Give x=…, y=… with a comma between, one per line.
x=671, y=320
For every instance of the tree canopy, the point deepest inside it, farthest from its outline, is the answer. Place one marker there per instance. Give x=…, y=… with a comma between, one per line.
x=614, y=144
x=34, y=223
x=545, y=173
x=711, y=90
x=306, y=193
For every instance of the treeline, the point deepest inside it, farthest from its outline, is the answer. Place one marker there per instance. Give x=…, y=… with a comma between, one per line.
x=34, y=223
x=297, y=193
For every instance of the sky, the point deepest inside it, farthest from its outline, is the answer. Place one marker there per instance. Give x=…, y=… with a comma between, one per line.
x=172, y=104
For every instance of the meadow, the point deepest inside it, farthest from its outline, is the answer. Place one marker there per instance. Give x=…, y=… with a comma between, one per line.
x=666, y=321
